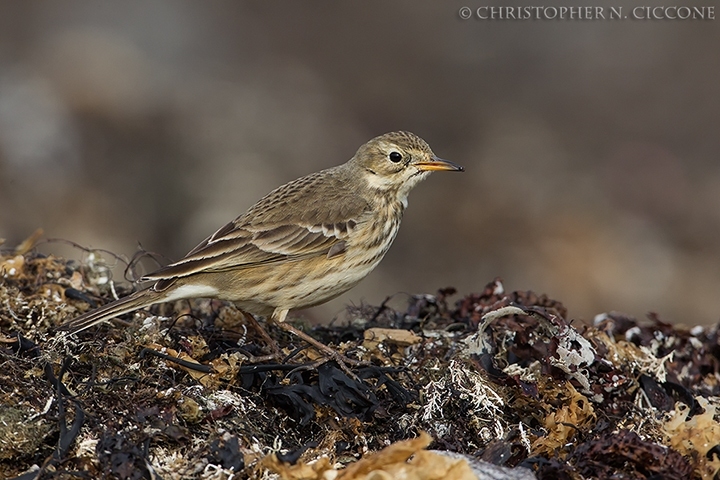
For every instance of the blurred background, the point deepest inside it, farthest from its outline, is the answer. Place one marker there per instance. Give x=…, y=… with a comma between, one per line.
x=591, y=146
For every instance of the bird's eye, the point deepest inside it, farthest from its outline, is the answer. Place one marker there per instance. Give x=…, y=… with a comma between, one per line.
x=395, y=157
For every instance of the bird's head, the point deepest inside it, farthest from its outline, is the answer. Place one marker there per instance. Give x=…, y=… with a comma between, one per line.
x=397, y=161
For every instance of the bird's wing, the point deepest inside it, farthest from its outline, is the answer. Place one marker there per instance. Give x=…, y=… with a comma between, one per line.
x=275, y=229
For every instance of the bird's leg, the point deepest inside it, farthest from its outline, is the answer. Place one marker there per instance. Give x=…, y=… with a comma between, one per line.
x=278, y=317
x=276, y=353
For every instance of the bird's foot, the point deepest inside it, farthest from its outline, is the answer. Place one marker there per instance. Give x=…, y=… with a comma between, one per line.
x=330, y=354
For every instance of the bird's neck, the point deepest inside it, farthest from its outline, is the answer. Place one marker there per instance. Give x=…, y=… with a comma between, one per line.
x=387, y=193
x=392, y=201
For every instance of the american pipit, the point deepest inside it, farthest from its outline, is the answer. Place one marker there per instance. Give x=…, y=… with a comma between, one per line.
x=302, y=244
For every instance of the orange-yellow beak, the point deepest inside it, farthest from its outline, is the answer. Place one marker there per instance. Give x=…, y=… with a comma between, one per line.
x=438, y=164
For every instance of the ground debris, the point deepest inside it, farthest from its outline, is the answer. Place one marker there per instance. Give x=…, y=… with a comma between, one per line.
x=194, y=390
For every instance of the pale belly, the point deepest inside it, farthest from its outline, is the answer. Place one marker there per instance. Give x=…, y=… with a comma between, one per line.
x=301, y=285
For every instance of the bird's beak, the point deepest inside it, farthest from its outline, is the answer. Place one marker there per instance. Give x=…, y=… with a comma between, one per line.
x=438, y=164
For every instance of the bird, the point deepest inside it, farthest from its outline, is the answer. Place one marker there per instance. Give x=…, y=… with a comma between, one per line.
x=301, y=245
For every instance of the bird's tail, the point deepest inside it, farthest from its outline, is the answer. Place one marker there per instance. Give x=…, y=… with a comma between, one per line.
x=132, y=302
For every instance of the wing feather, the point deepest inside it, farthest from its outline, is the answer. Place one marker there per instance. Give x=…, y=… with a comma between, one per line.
x=281, y=226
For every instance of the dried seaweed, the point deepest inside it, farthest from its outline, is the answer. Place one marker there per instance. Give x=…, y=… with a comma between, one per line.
x=188, y=390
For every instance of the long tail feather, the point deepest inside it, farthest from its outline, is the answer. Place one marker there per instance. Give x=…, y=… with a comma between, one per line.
x=135, y=301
